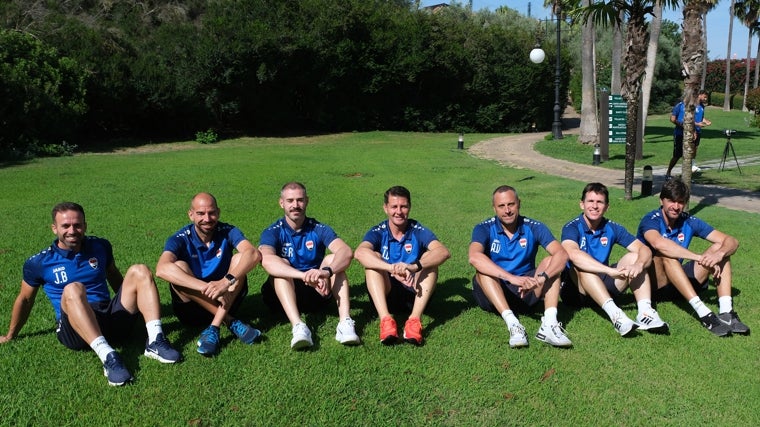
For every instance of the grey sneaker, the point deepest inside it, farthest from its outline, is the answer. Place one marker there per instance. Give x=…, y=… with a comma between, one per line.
x=732, y=320
x=345, y=333
x=714, y=325
x=623, y=324
x=301, y=337
x=517, y=336
x=650, y=321
x=553, y=334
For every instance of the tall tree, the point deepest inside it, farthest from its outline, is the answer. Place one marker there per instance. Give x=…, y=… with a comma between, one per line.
x=634, y=60
x=654, y=37
x=727, y=92
x=589, y=130
x=747, y=11
x=693, y=56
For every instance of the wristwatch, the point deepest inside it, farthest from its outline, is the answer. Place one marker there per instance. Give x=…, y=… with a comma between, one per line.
x=546, y=276
x=328, y=270
x=231, y=278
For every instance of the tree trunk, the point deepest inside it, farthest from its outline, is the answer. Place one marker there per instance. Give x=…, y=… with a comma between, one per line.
x=727, y=93
x=617, y=53
x=704, y=46
x=693, y=58
x=757, y=63
x=589, y=131
x=637, y=41
x=746, y=74
x=654, y=39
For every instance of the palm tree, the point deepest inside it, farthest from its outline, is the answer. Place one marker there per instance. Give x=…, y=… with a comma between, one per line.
x=693, y=56
x=747, y=11
x=727, y=92
x=654, y=37
x=589, y=128
x=710, y=6
x=634, y=60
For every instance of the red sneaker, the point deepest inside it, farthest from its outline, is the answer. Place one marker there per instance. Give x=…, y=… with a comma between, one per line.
x=413, y=331
x=388, y=332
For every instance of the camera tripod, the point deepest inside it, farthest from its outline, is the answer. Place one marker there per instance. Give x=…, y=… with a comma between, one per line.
x=729, y=146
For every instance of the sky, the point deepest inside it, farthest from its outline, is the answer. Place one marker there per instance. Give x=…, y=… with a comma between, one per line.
x=717, y=24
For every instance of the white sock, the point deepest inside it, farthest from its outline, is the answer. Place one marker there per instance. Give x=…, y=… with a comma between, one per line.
x=726, y=304
x=611, y=309
x=550, y=316
x=154, y=328
x=699, y=307
x=101, y=347
x=644, y=305
x=510, y=318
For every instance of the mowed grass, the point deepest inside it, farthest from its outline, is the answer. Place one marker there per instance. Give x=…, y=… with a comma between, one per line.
x=658, y=149
x=466, y=374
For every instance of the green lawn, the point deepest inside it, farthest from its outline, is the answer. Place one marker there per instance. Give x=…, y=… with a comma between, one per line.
x=658, y=148
x=466, y=374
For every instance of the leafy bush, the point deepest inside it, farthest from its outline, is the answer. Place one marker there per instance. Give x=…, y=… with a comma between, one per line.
x=206, y=137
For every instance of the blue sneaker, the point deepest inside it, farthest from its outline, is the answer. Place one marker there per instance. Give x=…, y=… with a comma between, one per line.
x=208, y=343
x=115, y=371
x=245, y=332
x=161, y=350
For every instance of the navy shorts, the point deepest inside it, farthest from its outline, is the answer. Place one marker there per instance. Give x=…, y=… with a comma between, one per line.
x=114, y=320
x=670, y=293
x=307, y=298
x=570, y=294
x=191, y=314
x=511, y=292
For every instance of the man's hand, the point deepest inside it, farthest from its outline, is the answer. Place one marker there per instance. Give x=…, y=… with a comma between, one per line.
x=215, y=289
x=4, y=339
x=527, y=284
x=318, y=279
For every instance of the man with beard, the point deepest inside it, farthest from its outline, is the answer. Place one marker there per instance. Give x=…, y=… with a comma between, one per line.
x=668, y=231
x=301, y=276
x=207, y=281
x=75, y=273
x=401, y=258
x=503, y=251
x=588, y=240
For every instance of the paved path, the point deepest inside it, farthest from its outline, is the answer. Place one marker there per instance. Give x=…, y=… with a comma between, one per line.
x=517, y=151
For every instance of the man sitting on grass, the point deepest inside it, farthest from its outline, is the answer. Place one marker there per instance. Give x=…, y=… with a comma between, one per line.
x=75, y=272
x=588, y=240
x=301, y=276
x=400, y=258
x=503, y=251
x=206, y=280
x=669, y=230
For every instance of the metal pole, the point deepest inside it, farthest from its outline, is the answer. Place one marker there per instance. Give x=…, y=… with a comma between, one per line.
x=557, y=124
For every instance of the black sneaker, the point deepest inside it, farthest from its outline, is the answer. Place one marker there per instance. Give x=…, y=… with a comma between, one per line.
x=161, y=350
x=732, y=320
x=714, y=325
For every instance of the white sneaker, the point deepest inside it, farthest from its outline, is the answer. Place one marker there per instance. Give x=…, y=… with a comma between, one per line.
x=553, y=334
x=345, y=332
x=695, y=168
x=517, y=336
x=623, y=324
x=301, y=337
x=650, y=321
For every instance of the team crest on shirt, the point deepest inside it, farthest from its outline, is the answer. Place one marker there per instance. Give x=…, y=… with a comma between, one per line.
x=523, y=242
x=219, y=253
x=681, y=237
x=310, y=245
x=604, y=241
x=408, y=247
x=93, y=263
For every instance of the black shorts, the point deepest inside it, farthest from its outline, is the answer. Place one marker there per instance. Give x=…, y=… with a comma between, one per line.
x=511, y=292
x=307, y=298
x=114, y=320
x=678, y=144
x=570, y=294
x=191, y=314
x=670, y=293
